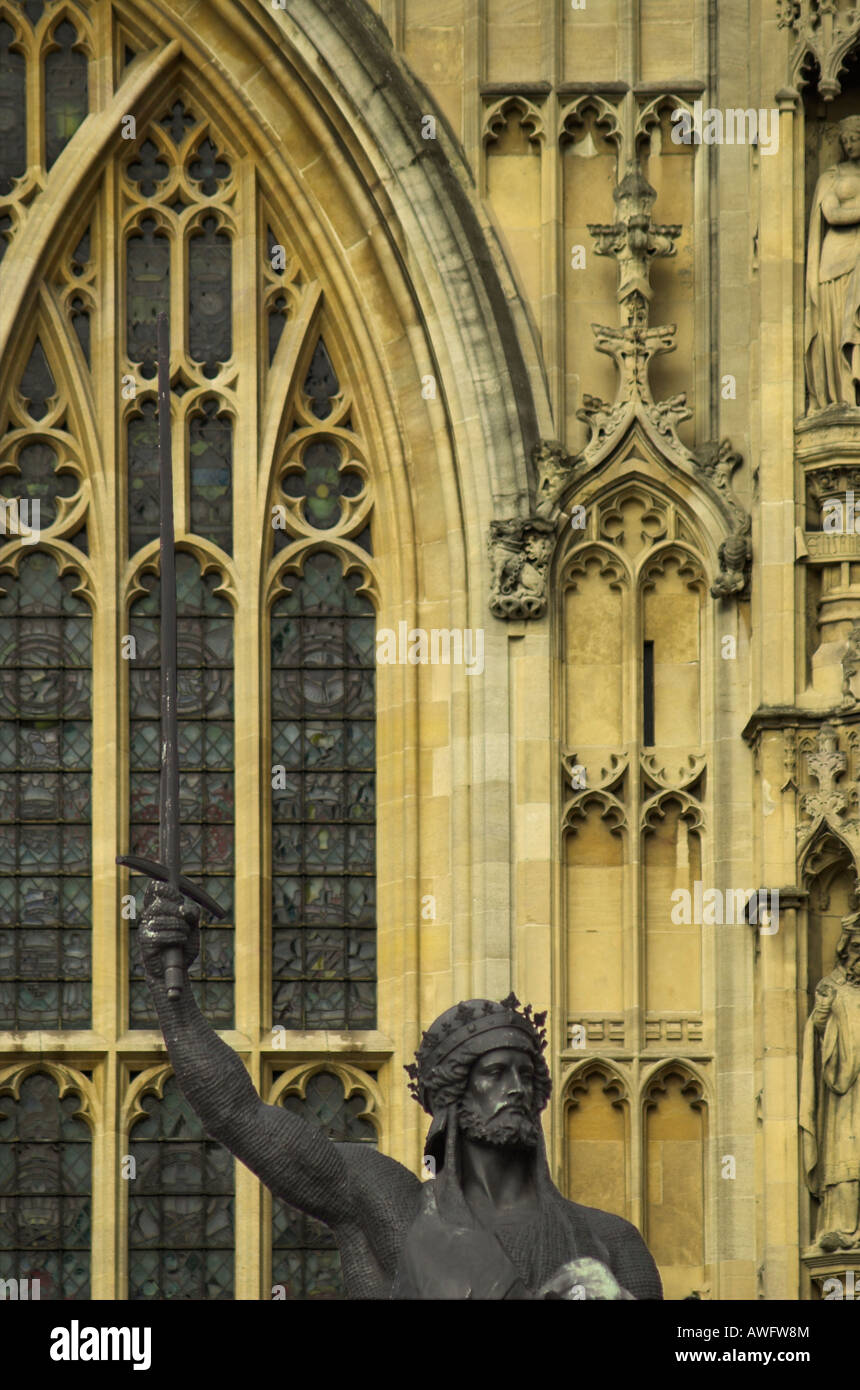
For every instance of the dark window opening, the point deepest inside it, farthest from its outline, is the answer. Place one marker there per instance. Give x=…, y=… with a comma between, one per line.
x=648, y=694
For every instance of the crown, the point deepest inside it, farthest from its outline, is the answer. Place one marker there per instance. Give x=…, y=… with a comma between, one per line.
x=464, y=1022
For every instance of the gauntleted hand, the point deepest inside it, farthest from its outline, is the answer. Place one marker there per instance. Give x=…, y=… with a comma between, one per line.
x=586, y=1279
x=167, y=920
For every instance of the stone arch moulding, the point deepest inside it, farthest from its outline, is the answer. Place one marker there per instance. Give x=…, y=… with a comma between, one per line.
x=695, y=1082
x=597, y=1129
x=68, y=1079
x=615, y=1084
x=354, y=1080
x=497, y=116
x=824, y=37
x=436, y=245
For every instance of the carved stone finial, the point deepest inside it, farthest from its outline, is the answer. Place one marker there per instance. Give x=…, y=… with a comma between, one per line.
x=825, y=765
x=520, y=551
x=633, y=239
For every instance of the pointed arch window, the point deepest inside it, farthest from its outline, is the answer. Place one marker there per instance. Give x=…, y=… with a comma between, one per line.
x=180, y=1209
x=305, y=1259
x=45, y=1187
x=264, y=419
x=205, y=719
x=45, y=758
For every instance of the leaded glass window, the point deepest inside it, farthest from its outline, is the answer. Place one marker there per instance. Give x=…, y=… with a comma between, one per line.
x=45, y=1186
x=323, y=801
x=305, y=1259
x=44, y=73
x=180, y=1205
x=205, y=716
x=45, y=760
x=211, y=466
x=190, y=216
x=13, y=109
x=66, y=100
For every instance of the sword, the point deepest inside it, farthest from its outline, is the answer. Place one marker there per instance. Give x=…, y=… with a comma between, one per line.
x=167, y=871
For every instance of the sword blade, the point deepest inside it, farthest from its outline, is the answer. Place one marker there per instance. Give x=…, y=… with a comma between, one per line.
x=168, y=831
x=168, y=791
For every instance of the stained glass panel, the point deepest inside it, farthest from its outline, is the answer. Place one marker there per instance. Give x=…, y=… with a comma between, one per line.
x=45, y=1185
x=205, y=708
x=45, y=762
x=13, y=110
x=305, y=1259
x=37, y=385
x=180, y=1210
x=178, y=122
x=323, y=801
x=148, y=169
x=5, y=233
x=211, y=465
x=277, y=306
x=143, y=484
x=322, y=482
x=210, y=331
x=208, y=168
x=147, y=292
x=38, y=481
x=321, y=384
x=66, y=91
x=277, y=323
x=81, y=324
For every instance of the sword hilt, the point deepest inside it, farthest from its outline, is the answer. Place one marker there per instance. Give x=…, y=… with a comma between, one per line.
x=174, y=962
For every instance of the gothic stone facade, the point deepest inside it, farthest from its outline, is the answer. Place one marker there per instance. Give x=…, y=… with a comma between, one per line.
x=464, y=337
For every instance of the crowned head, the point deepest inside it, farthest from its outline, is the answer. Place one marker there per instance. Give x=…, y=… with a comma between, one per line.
x=485, y=1059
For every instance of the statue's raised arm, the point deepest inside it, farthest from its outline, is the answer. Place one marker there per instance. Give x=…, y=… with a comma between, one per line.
x=293, y=1158
x=491, y=1226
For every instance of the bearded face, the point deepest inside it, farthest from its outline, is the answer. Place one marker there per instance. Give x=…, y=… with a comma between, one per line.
x=498, y=1106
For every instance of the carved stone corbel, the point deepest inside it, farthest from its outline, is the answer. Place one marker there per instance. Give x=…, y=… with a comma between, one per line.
x=520, y=551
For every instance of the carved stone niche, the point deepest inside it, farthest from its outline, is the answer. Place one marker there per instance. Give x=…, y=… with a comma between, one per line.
x=831, y=554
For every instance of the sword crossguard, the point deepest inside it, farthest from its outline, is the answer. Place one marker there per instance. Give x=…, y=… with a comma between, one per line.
x=173, y=960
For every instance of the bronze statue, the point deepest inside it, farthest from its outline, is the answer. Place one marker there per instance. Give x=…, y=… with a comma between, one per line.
x=490, y=1225
x=830, y=1096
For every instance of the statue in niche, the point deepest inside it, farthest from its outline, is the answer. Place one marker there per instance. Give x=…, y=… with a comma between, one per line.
x=832, y=335
x=491, y=1224
x=830, y=1097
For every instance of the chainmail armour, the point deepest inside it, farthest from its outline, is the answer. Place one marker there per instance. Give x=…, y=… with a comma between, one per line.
x=368, y=1200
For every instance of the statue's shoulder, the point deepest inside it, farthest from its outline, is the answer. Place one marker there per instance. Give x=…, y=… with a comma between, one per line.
x=604, y=1224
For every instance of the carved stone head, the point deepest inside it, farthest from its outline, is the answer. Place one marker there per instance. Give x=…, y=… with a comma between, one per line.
x=849, y=136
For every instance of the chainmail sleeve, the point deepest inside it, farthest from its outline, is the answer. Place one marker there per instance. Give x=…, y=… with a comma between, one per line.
x=629, y=1257
x=293, y=1158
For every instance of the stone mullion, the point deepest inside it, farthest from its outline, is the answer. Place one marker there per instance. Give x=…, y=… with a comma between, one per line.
x=552, y=221
x=391, y=12
x=474, y=74
x=637, y=1177
x=248, y=633
x=109, y=794
x=635, y=928
x=35, y=113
